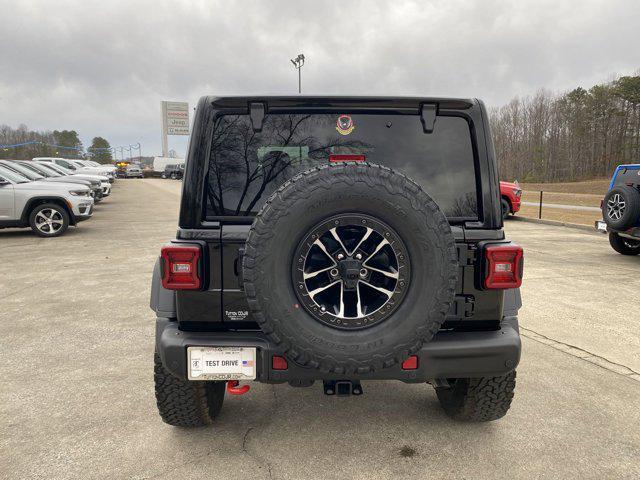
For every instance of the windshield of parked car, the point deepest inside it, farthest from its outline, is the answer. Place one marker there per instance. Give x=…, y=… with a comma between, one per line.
x=34, y=168
x=13, y=176
x=57, y=168
x=245, y=166
x=47, y=169
x=25, y=172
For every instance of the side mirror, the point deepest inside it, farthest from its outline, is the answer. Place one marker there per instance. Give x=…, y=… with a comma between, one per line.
x=4, y=182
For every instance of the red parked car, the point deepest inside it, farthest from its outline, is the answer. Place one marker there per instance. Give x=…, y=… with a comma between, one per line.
x=510, y=194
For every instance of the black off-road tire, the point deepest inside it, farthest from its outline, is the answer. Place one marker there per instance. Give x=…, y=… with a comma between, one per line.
x=506, y=208
x=313, y=197
x=182, y=403
x=631, y=213
x=477, y=399
x=624, y=246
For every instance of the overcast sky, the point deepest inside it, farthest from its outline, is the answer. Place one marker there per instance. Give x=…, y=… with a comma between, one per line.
x=102, y=67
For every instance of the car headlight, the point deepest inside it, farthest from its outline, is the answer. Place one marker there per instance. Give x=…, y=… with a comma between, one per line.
x=79, y=193
x=517, y=192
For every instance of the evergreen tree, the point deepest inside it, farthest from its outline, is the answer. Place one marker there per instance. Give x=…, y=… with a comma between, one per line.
x=98, y=150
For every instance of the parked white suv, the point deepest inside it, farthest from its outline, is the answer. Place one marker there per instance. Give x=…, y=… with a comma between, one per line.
x=47, y=207
x=81, y=166
x=103, y=179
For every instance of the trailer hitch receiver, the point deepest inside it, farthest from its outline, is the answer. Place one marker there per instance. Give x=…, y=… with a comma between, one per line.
x=342, y=388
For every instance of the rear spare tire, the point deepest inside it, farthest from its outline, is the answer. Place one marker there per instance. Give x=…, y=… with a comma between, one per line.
x=350, y=268
x=621, y=207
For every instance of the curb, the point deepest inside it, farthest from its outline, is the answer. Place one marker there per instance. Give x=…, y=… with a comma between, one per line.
x=554, y=223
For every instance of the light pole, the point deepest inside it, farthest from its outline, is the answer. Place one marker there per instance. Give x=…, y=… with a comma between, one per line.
x=137, y=147
x=298, y=62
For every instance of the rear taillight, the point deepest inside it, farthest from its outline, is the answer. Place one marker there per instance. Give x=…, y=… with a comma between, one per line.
x=503, y=266
x=180, y=267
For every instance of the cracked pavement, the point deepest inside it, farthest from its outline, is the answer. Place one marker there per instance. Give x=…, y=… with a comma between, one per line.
x=76, y=398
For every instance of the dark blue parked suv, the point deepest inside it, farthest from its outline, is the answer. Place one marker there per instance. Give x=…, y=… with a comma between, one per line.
x=621, y=210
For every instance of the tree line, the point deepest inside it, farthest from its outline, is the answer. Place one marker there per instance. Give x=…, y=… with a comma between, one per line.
x=50, y=144
x=548, y=137
x=578, y=135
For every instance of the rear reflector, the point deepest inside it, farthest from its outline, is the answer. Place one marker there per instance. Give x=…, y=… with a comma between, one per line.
x=410, y=363
x=346, y=158
x=279, y=363
x=504, y=266
x=180, y=267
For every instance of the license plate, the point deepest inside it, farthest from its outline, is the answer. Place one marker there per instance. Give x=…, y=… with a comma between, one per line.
x=601, y=226
x=221, y=363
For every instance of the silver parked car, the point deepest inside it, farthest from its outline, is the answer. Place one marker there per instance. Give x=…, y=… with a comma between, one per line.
x=52, y=175
x=47, y=207
x=103, y=179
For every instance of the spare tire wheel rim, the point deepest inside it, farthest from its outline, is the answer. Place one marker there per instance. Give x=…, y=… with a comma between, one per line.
x=351, y=271
x=616, y=207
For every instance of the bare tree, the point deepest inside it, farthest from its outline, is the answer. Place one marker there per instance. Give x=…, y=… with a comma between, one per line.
x=577, y=135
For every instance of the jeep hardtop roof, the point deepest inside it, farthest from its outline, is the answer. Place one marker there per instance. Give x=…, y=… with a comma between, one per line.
x=210, y=108
x=339, y=101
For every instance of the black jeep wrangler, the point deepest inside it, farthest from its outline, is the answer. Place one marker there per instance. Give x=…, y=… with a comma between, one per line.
x=338, y=239
x=173, y=171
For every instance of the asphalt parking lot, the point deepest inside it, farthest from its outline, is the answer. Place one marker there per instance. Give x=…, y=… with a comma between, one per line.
x=76, y=398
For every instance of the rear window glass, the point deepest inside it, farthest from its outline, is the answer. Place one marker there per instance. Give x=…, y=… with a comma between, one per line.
x=627, y=175
x=245, y=167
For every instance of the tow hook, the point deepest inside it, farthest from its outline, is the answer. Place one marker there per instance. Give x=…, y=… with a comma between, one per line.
x=234, y=389
x=342, y=388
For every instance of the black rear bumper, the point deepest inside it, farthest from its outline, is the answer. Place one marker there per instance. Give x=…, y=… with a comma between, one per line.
x=448, y=355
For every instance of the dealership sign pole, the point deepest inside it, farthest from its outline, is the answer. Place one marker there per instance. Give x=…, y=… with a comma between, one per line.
x=175, y=121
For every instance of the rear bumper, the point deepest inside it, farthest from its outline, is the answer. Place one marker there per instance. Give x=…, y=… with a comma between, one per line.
x=448, y=355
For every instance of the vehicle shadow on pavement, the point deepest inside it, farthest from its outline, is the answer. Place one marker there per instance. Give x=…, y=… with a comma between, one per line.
x=277, y=426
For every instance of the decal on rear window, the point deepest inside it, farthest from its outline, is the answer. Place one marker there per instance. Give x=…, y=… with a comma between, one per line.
x=344, y=125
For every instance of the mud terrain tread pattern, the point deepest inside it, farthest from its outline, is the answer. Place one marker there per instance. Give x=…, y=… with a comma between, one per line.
x=484, y=399
x=185, y=404
x=292, y=191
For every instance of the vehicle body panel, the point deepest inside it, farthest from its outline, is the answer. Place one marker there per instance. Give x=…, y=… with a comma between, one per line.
x=23, y=195
x=511, y=192
x=628, y=174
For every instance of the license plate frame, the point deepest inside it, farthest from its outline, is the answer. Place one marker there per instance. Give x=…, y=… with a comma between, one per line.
x=221, y=363
x=601, y=226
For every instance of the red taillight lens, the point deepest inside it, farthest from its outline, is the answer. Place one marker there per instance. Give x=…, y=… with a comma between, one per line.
x=410, y=363
x=346, y=158
x=504, y=266
x=180, y=267
x=279, y=363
